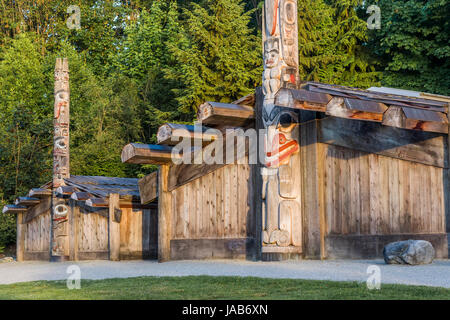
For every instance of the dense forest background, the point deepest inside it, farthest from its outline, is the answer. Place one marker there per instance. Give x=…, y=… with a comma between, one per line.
x=137, y=64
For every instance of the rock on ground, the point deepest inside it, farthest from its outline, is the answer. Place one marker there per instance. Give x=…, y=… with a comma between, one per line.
x=410, y=252
x=7, y=259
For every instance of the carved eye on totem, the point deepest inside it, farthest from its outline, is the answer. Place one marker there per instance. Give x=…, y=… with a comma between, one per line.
x=287, y=122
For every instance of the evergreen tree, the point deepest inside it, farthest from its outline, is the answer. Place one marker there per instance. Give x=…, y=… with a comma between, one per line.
x=413, y=44
x=219, y=59
x=332, y=44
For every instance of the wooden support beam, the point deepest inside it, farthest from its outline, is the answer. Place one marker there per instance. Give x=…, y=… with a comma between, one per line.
x=65, y=190
x=148, y=154
x=81, y=196
x=302, y=99
x=97, y=202
x=148, y=188
x=20, y=245
x=114, y=228
x=74, y=217
x=27, y=201
x=13, y=209
x=356, y=109
x=416, y=119
x=43, y=207
x=172, y=134
x=164, y=215
x=39, y=193
x=224, y=114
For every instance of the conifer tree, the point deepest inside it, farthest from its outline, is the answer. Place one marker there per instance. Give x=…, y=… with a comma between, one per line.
x=219, y=59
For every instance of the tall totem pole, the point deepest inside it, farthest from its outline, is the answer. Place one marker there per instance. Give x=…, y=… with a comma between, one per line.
x=281, y=188
x=61, y=165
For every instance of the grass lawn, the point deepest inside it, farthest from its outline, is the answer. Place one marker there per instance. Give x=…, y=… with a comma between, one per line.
x=211, y=288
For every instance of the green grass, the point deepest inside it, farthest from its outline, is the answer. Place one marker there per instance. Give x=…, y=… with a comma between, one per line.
x=212, y=288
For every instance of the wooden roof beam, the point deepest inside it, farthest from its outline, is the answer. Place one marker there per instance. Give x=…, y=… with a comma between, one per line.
x=302, y=99
x=173, y=134
x=27, y=201
x=14, y=209
x=65, y=190
x=97, y=203
x=148, y=154
x=356, y=109
x=217, y=114
x=415, y=119
x=39, y=193
x=80, y=196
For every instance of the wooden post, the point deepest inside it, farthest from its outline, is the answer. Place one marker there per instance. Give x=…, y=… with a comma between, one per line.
x=447, y=192
x=114, y=228
x=74, y=229
x=20, y=245
x=164, y=215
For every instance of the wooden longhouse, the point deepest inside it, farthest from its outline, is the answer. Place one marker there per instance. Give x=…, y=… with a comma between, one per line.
x=343, y=171
x=106, y=221
x=372, y=168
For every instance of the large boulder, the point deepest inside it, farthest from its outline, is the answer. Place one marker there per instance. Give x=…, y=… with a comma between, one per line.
x=411, y=252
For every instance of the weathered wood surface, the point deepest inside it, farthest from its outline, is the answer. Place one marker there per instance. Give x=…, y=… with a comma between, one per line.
x=114, y=229
x=164, y=215
x=225, y=114
x=422, y=147
x=42, y=208
x=27, y=201
x=21, y=233
x=81, y=196
x=356, y=109
x=216, y=205
x=371, y=246
x=74, y=217
x=148, y=154
x=39, y=193
x=65, y=190
x=14, y=209
x=92, y=235
x=415, y=119
x=302, y=99
x=148, y=188
x=37, y=234
x=370, y=194
x=172, y=134
x=97, y=202
x=186, y=249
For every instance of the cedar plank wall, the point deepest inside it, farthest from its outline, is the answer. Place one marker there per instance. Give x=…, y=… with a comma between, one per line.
x=138, y=234
x=37, y=238
x=372, y=199
x=212, y=215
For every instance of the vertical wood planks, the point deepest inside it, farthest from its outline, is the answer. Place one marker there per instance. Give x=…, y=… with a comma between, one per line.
x=73, y=232
x=20, y=246
x=164, y=215
x=114, y=229
x=381, y=195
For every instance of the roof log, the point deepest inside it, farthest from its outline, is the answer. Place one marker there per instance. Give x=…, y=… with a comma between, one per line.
x=39, y=193
x=216, y=114
x=172, y=134
x=356, y=109
x=27, y=201
x=148, y=154
x=416, y=119
x=14, y=209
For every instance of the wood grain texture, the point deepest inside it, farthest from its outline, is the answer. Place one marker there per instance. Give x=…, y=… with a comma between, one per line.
x=217, y=114
x=164, y=215
x=147, y=154
x=20, y=242
x=375, y=195
x=148, y=188
x=422, y=147
x=114, y=229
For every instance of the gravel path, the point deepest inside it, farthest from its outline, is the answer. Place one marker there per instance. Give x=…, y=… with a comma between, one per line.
x=436, y=274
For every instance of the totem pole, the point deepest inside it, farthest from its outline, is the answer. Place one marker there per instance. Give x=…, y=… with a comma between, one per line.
x=281, y=188
x=61, y=165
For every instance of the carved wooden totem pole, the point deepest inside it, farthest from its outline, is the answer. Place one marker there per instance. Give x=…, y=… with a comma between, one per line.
x=281, y=177
x=61, y=165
